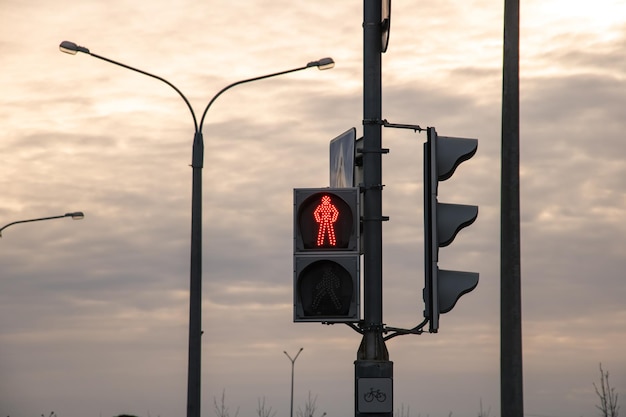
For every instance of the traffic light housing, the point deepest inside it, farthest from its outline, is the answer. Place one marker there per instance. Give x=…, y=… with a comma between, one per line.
x=326, y=255
x=442, y=222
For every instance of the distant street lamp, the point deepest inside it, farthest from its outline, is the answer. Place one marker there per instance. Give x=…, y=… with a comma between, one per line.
x=77, y=215
x=293, y=362
x=197, y=158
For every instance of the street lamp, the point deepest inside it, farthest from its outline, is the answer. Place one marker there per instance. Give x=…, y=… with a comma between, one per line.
x=293, y=362
x=77, y=215
x=197, y=158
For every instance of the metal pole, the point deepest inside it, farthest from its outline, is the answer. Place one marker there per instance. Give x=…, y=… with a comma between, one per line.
x=511, y=372
x=194, y=368
x=372, y=346
x=291, y=403
x=293, y=362
x=372, y=355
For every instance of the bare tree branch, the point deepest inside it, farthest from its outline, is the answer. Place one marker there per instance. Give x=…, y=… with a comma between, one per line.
x=221, y=410
x=262, y=411
x=608, y=397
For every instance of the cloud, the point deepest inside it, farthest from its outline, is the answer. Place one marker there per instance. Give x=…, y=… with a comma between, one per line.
x=93, y=314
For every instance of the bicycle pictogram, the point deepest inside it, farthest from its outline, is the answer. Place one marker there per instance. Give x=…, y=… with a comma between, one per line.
x=373, y=394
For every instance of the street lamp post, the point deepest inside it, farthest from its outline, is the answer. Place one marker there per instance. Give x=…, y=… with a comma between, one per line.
x=197, y=158
x=293, y=363
x=77, y=215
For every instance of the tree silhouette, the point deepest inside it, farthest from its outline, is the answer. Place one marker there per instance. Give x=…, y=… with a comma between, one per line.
x=608, y=397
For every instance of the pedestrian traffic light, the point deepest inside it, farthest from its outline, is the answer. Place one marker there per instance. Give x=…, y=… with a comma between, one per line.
x=326, y=255
x=442, y=222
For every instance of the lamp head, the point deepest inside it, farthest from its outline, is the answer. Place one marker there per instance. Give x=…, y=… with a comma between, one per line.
x=77, y=215
x=322, y=64
x=71, y=48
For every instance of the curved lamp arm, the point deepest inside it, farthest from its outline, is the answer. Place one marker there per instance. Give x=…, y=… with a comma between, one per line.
x=77, y=215
x=322, y=64
x=293, y=360
x=71, y=48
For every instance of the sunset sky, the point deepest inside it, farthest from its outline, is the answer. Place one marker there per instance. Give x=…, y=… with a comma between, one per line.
x=94, y=313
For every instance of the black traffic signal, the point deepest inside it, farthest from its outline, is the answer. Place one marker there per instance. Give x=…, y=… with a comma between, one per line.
x=326, y=255
x=442, y=222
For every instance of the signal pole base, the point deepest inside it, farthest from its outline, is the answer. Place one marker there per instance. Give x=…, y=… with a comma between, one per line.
x=373, y=388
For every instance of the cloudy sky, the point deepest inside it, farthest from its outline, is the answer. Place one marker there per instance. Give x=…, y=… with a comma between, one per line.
x=94, y=313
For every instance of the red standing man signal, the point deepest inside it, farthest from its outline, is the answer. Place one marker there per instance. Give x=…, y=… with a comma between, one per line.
x=325, y=215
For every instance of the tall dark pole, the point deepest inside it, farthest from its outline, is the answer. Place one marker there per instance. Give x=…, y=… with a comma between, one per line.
x=511, y=372
x=372, y=347
x=372, y=356
x=194, y=368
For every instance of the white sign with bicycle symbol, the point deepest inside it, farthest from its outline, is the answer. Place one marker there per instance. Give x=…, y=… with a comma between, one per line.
x=375, y=395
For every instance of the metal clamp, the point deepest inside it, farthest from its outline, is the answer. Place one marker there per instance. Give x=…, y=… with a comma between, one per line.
x=373, y=122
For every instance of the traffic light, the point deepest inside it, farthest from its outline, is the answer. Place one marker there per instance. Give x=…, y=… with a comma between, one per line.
x=442, y=222
x=326, y=255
